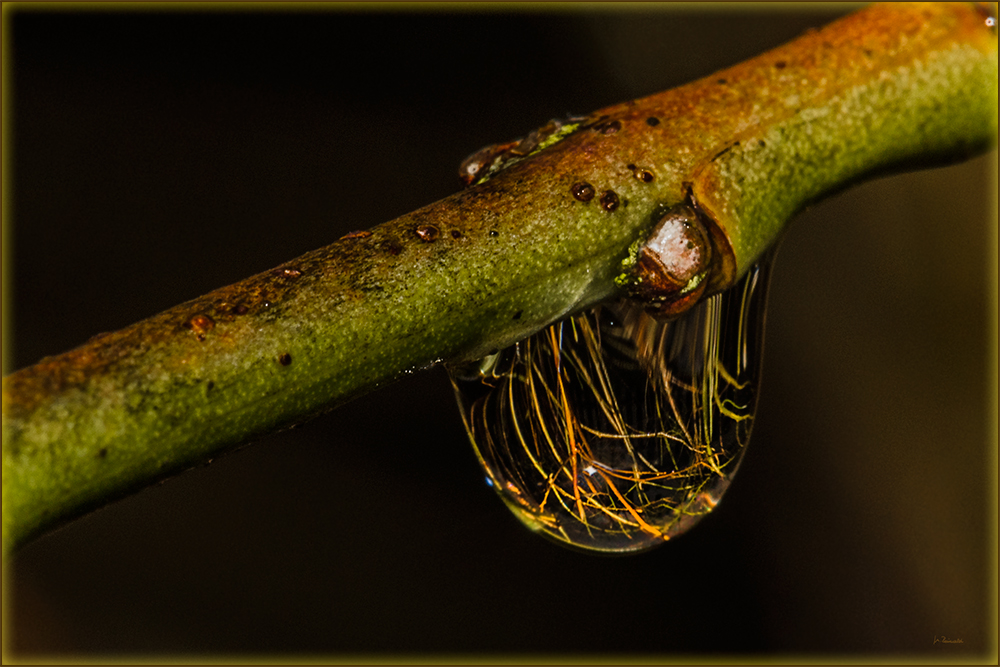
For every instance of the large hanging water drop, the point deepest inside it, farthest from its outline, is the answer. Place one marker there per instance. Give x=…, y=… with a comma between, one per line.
x=612, y=430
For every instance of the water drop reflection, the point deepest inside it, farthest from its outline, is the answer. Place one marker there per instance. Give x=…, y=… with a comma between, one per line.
x=614, y=431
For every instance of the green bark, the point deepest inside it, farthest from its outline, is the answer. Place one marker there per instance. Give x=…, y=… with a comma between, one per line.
x=751, y=145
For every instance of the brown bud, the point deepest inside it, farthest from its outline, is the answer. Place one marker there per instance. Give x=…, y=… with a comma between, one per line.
x=671, y=268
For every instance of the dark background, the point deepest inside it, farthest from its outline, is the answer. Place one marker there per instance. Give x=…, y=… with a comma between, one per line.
x=157, y=156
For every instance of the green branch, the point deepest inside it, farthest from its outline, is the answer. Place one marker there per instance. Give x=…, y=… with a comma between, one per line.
x=885, y=88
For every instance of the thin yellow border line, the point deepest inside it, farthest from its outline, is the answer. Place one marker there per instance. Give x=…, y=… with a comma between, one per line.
x=7, y=120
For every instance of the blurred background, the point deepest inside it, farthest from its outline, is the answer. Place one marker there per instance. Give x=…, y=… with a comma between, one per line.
x=157, y=155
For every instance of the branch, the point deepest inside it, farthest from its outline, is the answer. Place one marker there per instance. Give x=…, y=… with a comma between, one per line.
x=883, y=89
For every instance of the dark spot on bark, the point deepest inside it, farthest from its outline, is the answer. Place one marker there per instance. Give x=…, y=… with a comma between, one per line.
x=103, y=454
x=518, y=314
x=583, y=191
x=652, y=121
x=630, y=166
x=721, y=82
x=210, y=386
x=455, y=234
x=762, y=144
x=609, y=200
x=392, y=248
x=241, y=309
x=285, y=359
x=780, y=64
x=428, y=233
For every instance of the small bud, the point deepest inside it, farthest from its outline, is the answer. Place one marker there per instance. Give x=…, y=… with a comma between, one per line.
x=669, y=272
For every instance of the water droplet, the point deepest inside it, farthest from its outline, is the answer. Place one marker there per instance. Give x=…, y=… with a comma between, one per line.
x=428, y=233
x=455, y=234
x=583, y=191
x=609, y=200
x=612, y=430
x=494, y=233
x=200, y=325
x=292, y=273
x=644, y=175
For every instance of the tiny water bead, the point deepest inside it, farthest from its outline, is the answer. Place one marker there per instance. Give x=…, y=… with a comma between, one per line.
x=582, y=191
x=613, y=430
x=428, y=233
x=200, y=325
x=609, y=200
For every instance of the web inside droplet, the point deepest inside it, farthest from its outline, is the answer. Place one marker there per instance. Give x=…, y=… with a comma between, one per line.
x=614, y=431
